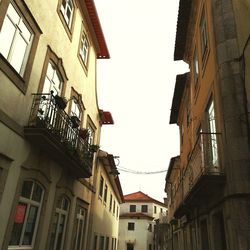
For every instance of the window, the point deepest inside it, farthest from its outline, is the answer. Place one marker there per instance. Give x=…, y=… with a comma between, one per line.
x=212, y=144
x=59, y=224
x=203, y=35
x=204, y=235
x=150, y=227
x=101, y=186
x=95, y=242
x=161, y=210
x=75, y=109
x=155, y=209
x=19, y=37
x=150, y=247
x=67, y=10
x=132, y=208
x=105, y=193
x=27, y=215
x=84, y=49
x=144, y=208
x=107, y=243
x=219, y=231
x=130, y=246
x=91, y=137
x=114, y=206
x=110, y=202
x=80, y=227
x=131, y=226
x=101, y=243
x=117, y=212
x=195, y=67
x=53, y=80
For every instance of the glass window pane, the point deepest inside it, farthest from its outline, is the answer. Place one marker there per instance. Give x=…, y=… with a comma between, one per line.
x=60, y=231
x=37, y=193
x=30, y=225
x=12, y=13
x=18, y=53
x=50, y=71
x=6, y=35
x=18, y=224
x=25, y=31
x=53, y=231
x=27, y=188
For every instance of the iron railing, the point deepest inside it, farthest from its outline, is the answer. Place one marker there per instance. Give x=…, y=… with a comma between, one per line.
x=203, y=160
x=46, y=114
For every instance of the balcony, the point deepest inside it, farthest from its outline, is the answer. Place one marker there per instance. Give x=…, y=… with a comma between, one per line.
x=57, y=134
x=203, y=176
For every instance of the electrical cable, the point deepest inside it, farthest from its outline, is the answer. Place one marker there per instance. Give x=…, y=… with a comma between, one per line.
x=131, y=171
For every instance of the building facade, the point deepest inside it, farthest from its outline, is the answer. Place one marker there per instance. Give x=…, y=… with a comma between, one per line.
x=137, y=221
x=208, y=183
x=106, y=205
x=50, y=123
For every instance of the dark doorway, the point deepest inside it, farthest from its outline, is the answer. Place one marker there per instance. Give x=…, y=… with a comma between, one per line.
x=130, y=246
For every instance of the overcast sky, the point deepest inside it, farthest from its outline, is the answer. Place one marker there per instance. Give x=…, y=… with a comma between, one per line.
x=136, y=85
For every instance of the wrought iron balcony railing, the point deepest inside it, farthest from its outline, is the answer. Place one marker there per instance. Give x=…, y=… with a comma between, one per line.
x=202, y=170
x=48, y=123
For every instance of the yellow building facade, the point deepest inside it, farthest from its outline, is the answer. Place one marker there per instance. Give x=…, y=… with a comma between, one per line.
x=208, y=183
x=50, y=122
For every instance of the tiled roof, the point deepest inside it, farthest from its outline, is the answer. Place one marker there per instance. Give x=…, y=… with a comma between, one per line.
x=136, y=215
x=141, y=197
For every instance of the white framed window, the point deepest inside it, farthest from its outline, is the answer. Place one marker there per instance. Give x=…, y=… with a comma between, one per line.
x=53, y=80
x=67, y=10
x=195, y=67
x=75, y=109
x=110, y=202
x=84, y=49
x=101, y=187
x=15, y=39
x=27, y=215
x=213, y=137
x=59, y=224
x=91, y=133
x=203, y=35
x=80, y=228
x=105, y=193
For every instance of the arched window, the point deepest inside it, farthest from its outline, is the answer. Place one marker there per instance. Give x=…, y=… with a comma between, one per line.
x=59, y=224
x=27, y=214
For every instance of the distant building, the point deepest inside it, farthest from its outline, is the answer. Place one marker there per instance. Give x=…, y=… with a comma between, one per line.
x=137, y=221
x=208, y=184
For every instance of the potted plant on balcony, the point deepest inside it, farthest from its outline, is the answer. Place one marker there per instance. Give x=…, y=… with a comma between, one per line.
x=94, y=148
x=83, y=133
x=61, y=102
x=75, y=121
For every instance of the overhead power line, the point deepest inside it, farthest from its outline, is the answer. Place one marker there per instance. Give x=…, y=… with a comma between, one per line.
x=131, y=171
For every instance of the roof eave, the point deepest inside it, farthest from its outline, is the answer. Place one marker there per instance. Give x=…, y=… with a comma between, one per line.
x=182, y=28
x=102, y=50
x=178, y=93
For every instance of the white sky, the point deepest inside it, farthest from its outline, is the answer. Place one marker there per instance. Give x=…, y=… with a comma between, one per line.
x=136, y=85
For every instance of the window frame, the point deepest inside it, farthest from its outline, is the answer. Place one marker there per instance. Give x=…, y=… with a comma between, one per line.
x=58, y=63
x=130, y=208
x=204, y=39
x=29, y=202
x=83, y=229
x=101, y=187
x=21, y=82
x=131, y=226
x=143, y=208
x=60, y=211
x=84, y=61
x=68, y=28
